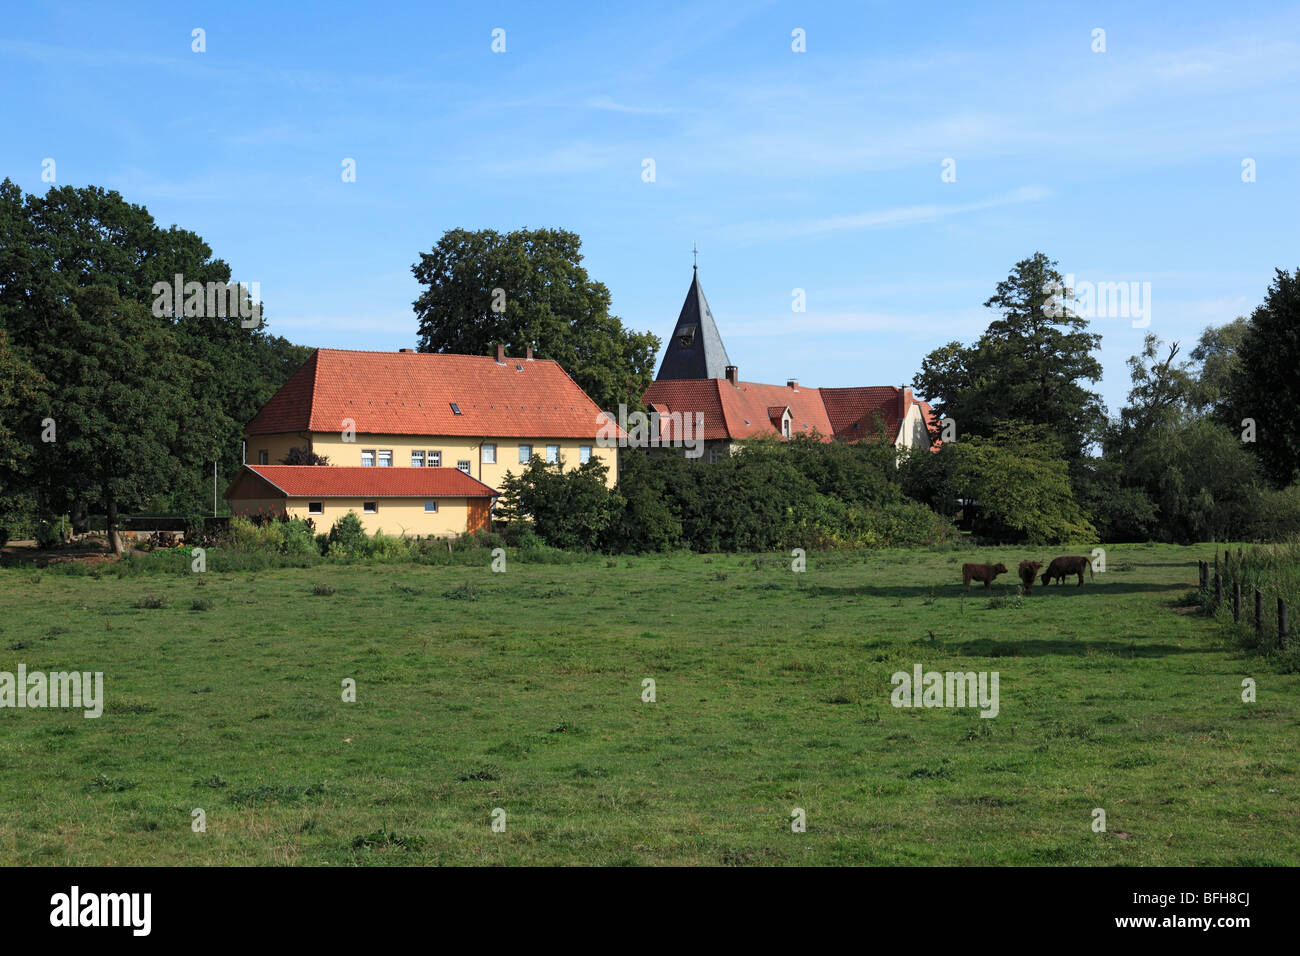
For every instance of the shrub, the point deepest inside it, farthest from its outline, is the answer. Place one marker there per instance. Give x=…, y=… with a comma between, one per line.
x=347, y=537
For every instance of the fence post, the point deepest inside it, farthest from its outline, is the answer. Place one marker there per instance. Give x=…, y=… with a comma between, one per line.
x=1259, y=612
x=1218, y=589
x=1281, y=623
x=1201, y=572
x=1236, y=602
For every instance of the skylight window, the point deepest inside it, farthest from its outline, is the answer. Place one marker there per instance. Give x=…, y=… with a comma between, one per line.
x=455, y=409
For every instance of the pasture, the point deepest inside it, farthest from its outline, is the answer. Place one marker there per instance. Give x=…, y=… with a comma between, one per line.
x=523, y=691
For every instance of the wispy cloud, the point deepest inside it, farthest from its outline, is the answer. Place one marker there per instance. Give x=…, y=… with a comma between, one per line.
x=609, y=103
x=774, y=229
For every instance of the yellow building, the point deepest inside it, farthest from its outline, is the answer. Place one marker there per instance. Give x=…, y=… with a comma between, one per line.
x=480, y=414
x=402, y=501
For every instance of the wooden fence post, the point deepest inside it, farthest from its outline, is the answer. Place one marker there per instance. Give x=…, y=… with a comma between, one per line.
x=1236, y=602
x=1281, y=623
x=1259, y=612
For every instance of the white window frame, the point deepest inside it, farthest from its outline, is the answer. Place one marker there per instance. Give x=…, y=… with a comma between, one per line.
x=371, y=462
x=434, y=459
x=488, y=454
x=417, y=458
x=552, y=454
x=525, y=454
x=373, y=510
x=431, y=507
x=584, y=454
x=315, y=507
x=464, y=464
x=381, y=455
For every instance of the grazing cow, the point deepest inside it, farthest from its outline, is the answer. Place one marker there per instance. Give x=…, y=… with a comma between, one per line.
x=981, y=572
x=1063, y=566
x=1029, y=571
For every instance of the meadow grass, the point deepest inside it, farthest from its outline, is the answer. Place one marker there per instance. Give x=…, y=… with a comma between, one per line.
x=523, y=691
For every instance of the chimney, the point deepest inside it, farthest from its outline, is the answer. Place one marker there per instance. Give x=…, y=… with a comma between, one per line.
x=528, y=354
x=406, y=350
x=501, y=354
x=733, y=374
x=904, y=400
x=792, y=383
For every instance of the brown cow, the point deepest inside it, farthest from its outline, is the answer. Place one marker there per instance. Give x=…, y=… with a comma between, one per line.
x=1029, y=571
x=981, y=572
x=1063, y=566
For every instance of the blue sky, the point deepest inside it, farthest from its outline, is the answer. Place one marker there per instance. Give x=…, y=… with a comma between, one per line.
x=818, y=170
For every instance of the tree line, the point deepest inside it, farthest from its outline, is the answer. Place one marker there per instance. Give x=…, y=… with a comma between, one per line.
x=107, y=406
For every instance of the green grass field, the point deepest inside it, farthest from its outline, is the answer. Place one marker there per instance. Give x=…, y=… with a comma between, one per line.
x=522, y=691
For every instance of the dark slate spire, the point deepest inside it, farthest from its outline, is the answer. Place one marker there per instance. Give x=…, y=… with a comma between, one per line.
x=695, y=348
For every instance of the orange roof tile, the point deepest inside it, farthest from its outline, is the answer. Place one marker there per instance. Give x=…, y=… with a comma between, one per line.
x=412, y=393
x=328, y=481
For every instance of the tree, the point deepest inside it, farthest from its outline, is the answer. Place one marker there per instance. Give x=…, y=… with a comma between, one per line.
x=528, y=289
x=1027, y=366
x=303, y=455
x=123, y=410
x=1265, y=386
x=53, y=247
x=22, y=407
x=1017, y=479
x=1217, y=352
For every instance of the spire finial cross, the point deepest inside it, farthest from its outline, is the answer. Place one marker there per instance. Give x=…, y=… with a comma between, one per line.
x=695, y=256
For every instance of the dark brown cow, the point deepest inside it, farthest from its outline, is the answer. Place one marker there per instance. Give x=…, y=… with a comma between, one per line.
x=1066, y=565
x=1029, y=571
x=981, y=572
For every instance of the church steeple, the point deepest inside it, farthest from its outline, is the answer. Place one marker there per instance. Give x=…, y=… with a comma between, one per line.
x=695, y=349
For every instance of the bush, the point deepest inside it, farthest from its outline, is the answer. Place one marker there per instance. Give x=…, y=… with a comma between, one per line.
x=347, y=538
x=47, y=535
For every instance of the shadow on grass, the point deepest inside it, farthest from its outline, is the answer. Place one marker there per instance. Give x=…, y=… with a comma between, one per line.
x=1133, y=646
x=948, y=590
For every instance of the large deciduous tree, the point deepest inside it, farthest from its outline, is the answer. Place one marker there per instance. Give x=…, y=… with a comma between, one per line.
x=529, y=288
x=1030, y=365
x=1265, y=385
x=56, y=247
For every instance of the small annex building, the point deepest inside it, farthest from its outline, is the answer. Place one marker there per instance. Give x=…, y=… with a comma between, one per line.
x=442, y=502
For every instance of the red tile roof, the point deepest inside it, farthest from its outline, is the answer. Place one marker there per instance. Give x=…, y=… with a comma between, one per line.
x=853, y=411
x=738, y=411
x=411, y=393
x=312, y=481
x=747, y=410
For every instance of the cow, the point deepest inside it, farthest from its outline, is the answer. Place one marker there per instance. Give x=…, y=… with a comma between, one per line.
x=1066, y=565
x=1029, y=571
x=981, y=572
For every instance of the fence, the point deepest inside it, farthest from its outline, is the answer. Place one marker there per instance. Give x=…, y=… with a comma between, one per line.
x=1215, y=582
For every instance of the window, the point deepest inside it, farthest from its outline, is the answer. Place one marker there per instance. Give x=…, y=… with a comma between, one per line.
x=584, y=454
x=368, y=457
x=430, y=507
x=489, y=455
x=370, y=507
x=463, y=465
x=263, y=457
x=435, y=459
x=525, y=454
x=315, y=507
x=417, y=459
x=385, y=458
x=785, y=428
x=552, y=454
x=455, y=409
x=685, y=336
